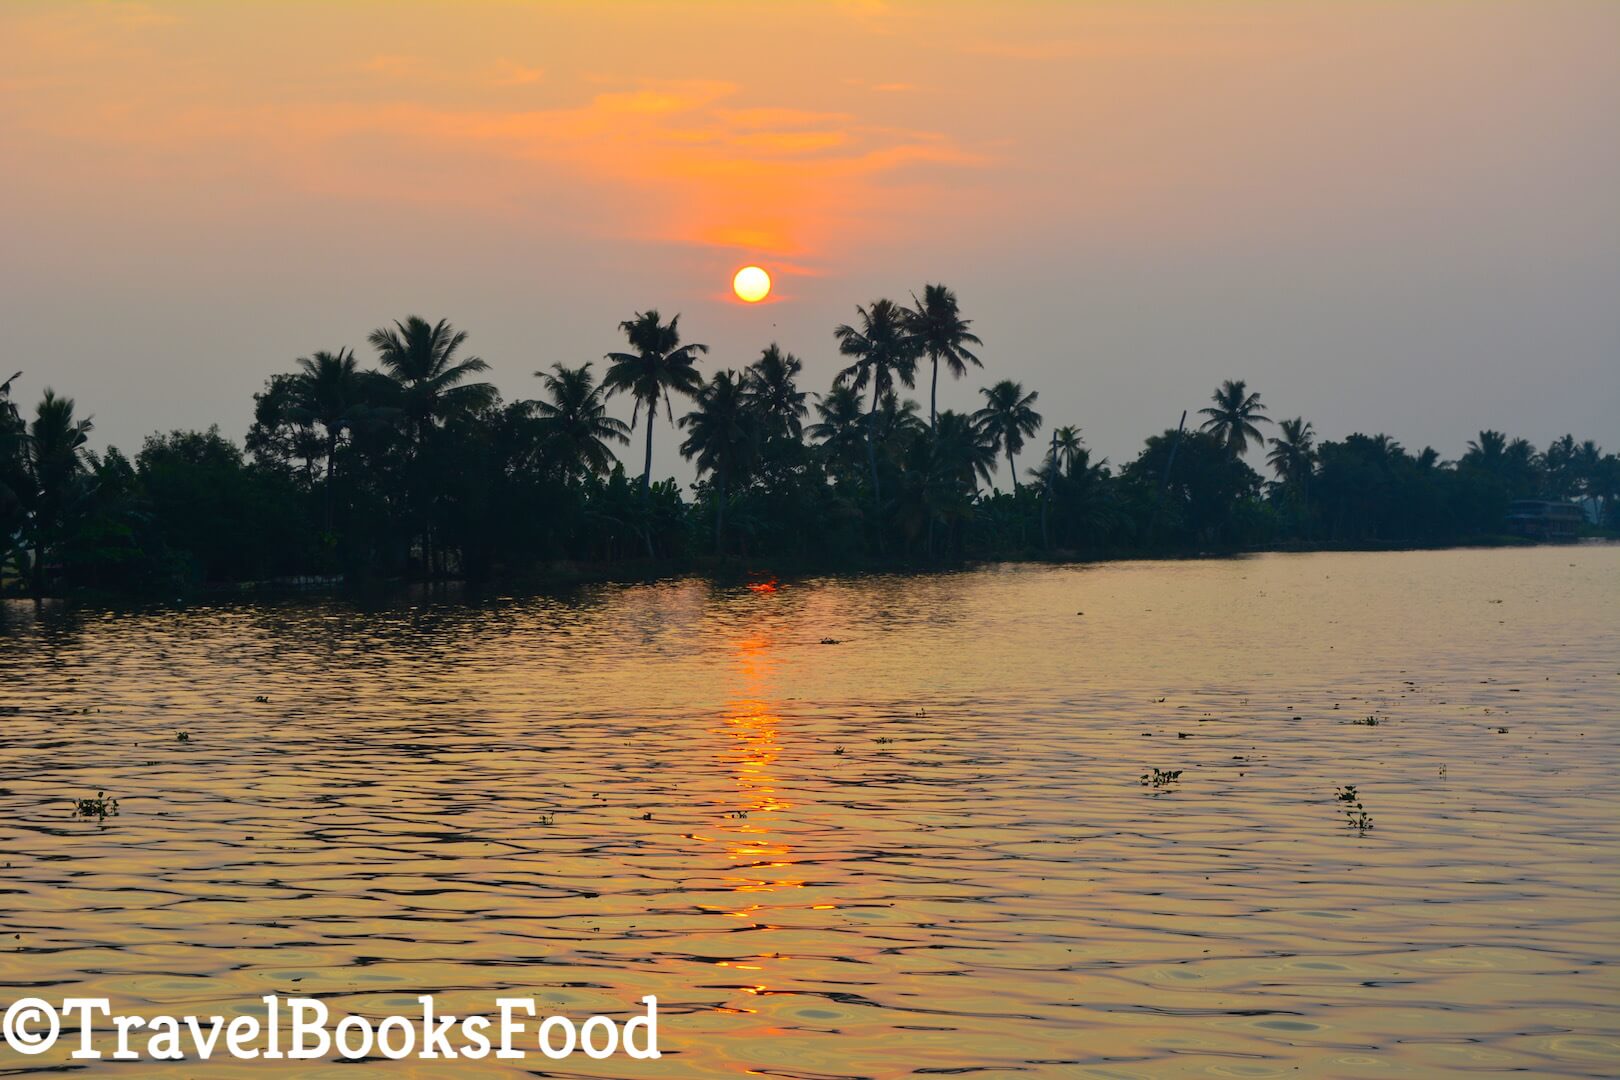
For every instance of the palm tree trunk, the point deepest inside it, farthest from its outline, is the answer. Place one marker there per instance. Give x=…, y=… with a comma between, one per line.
x=871, y=459
x=646, y=472
x=933, y=398
x=331, y=465
x=1046, y=496
x=1013, y=470
x=871, y=447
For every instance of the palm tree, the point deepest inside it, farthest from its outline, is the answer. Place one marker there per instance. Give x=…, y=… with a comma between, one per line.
x=841, y=429
x=723, y=434
x=773, y=390
x=1233, y=418
x=1558, y=463
x=943, y=468
x=420, y=358
x=1293, y=453
x=660, y=366
x=942, y=334
x=575, y=423
x=1487, y=451
x=897, y=422
x=884, y=350
x=1008, y=418
x=1069, y=444
x=328, y=390
x=53, y=458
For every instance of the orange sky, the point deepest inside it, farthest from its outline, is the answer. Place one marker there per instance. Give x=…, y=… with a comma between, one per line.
x=1391, y=215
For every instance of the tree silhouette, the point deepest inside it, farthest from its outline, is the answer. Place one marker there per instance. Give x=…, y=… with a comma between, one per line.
x=841, y=431
x=53, y=456
x=723, y=435
x=1234, y=415
x=659, y=366
x=773, y=390
x=941, y=334
x=1008, y=418
x=329, y=390
x=574, y=425
x=420, y=358
x=1293, y=453
x=884, y=351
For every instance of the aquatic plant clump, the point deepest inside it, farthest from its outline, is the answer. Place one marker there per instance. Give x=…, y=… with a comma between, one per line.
x=101, y=807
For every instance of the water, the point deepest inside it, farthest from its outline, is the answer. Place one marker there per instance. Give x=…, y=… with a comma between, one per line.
x=923, y=849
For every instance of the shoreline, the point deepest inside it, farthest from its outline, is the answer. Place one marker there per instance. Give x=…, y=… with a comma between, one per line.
x=562, y=576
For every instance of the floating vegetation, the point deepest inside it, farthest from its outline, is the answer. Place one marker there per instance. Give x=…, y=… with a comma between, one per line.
x=1161, y=777
x=99, y=807
x=840, y=750
x=548, y=818
x=884, y=740
x=1501, y=731
x=1355, y=813
x=262, y=699
x=184, y=736
x=831, y=641
x=1367, y=721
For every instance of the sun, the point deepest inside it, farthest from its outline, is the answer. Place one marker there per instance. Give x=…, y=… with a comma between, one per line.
x=751, y=284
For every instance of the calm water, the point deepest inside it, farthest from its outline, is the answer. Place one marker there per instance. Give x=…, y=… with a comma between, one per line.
x=924, y=849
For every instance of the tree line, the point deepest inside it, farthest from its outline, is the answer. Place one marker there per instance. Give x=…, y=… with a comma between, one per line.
x=416, y=468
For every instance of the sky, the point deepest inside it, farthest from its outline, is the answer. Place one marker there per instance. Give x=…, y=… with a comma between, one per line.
x=1385, y=215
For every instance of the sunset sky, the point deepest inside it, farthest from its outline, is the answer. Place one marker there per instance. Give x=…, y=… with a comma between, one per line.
x=1398, y=216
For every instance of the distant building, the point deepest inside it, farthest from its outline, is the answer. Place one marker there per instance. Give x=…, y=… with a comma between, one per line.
x=1542, y=520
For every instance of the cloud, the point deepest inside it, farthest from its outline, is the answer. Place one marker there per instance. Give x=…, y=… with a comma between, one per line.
x=511, y=73
x=681, y=163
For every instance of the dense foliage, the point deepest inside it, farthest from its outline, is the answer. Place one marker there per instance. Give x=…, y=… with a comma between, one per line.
x=419, y=469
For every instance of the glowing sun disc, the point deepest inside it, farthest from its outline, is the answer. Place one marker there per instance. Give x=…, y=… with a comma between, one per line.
x=751, y=284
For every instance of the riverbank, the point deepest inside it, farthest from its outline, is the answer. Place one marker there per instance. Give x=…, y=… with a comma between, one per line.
x=563, y=575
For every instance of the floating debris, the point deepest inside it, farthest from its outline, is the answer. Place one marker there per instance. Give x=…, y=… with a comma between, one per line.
x=99, y=807
x=1161, y=777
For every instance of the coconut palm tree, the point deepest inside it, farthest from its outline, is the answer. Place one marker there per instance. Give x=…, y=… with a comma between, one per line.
x=54, y=463
x=1293, y=453
x=1069, y=444
x=943, y=466
x=14, y=482
x=1487, y=451
x=1008, y=418
x=884, y=351
x=724, y=434
x=1234, y=415
x=841, y=431
x=659, y=366
x=897, y=421
x=773, y=390
x=575, y=425
x=328, y=390
x=942, y=334
x=420, y=358
x=1558, y=464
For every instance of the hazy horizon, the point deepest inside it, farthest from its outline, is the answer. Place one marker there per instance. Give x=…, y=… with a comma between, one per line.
x=1385, y=217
